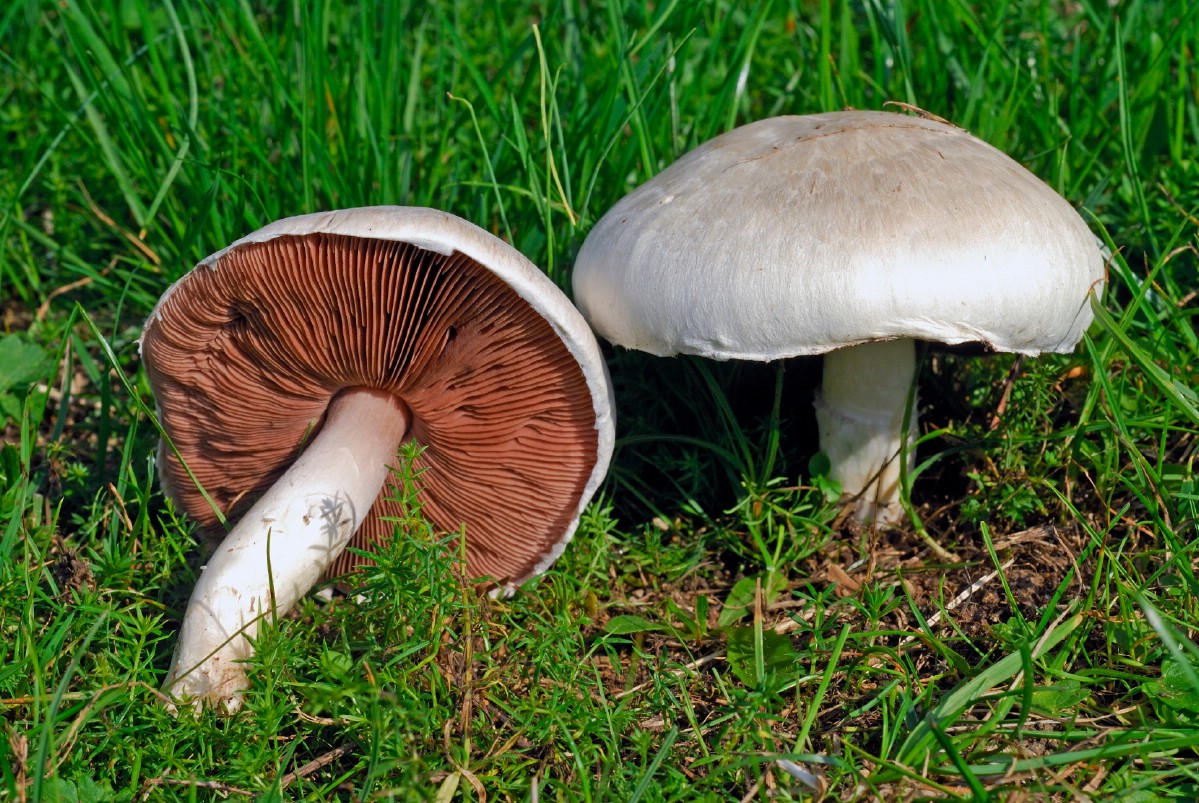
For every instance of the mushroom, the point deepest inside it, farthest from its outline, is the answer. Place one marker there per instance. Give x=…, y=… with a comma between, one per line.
x=850, y=234
x=289, y=367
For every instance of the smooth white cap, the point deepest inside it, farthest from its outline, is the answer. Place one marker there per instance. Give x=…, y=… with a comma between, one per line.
x=800, y=235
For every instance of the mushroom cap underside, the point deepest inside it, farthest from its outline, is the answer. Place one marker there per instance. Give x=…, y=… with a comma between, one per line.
x=510, y=401
x=800, y=235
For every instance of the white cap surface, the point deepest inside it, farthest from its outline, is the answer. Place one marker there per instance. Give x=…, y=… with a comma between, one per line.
x=800, y=235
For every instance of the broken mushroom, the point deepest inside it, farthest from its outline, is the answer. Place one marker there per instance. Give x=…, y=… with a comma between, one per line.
x=850, y=234
x=288, y=369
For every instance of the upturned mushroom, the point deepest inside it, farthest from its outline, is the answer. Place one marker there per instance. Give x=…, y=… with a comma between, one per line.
x=849, y=234
x=289, y=367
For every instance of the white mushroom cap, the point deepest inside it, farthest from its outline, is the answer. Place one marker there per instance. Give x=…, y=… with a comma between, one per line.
x=800, y=235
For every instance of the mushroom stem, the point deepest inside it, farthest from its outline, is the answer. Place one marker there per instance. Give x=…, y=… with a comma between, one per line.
x=860, y=412
x=283, y=544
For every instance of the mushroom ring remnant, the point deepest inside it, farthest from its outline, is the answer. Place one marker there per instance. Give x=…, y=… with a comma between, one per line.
x=849, y=234
x=288, y=369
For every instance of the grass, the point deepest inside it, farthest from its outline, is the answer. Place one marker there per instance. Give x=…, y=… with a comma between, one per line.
x=716, y=630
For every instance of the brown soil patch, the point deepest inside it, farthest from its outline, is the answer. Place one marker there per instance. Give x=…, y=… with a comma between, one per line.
x=973, y=591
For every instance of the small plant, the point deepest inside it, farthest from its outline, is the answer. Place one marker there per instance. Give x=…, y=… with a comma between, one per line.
x=21, y=364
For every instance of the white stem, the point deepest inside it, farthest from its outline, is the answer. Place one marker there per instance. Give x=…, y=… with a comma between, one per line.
x=860, y=412
x=280, y=548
